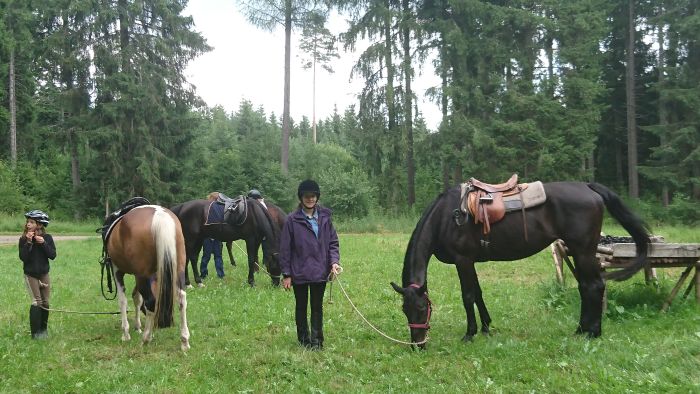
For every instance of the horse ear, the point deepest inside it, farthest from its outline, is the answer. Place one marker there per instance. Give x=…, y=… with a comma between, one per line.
x=398, y=288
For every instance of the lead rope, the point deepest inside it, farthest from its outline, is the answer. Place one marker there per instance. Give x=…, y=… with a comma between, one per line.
x=256, y=263
x=331, y=276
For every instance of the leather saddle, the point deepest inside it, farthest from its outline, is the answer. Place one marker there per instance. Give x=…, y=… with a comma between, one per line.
x=235, y=209
x=113, y=217
x=485, y=200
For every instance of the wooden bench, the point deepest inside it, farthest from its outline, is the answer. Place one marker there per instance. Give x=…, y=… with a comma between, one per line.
x=661, y=255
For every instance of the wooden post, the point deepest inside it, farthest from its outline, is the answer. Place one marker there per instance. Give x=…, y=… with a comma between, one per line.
x=558, y=265
x=697, y=281
x=670, y=298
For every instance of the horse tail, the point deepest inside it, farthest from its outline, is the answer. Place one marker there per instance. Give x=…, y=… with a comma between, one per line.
x=163, y=228
x=634, y=226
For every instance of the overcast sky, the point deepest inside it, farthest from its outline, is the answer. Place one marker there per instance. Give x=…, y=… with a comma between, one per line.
x=248, y=63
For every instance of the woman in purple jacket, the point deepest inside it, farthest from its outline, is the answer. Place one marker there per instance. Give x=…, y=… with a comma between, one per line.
x=309, y=253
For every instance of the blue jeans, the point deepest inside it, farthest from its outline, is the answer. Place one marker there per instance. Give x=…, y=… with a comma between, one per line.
x=212, y=246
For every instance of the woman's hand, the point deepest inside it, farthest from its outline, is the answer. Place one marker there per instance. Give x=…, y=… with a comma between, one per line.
x=287, y=283
x=336, y=270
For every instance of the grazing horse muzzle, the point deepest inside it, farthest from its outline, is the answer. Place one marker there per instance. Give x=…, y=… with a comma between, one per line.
x=418, y=309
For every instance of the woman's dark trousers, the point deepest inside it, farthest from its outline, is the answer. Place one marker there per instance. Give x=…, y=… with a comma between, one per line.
x=303, y=294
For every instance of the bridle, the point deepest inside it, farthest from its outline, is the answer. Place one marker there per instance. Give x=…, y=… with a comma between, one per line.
x=425, y=325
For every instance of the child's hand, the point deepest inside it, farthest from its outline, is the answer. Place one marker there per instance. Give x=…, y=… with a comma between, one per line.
x=287, y=283
x=39, y=239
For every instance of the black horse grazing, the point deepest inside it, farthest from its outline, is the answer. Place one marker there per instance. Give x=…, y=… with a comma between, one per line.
x=573, y=212
x=278, y=218
x=257, y=225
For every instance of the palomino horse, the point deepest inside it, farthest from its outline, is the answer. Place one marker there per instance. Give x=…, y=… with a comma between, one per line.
x=147, y=242
x=256, y=226
x=573, y=212
x=278, y=218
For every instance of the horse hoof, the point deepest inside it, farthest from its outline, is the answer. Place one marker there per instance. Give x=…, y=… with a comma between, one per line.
x=468, y=338
x=185, y=345
x=200, y=284
x=190, y=286
x=126, y=337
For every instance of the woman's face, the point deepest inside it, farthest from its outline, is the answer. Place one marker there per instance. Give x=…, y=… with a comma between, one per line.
x=31, y=225
x=309, y=200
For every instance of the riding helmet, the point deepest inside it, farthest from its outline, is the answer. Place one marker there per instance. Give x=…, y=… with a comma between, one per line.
x=255, y=194
x=39, y=216
x=308, y=186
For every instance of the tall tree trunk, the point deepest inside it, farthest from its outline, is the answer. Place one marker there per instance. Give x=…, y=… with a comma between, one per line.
x=313, y=122
x=388, y=45
x=74, y=168
x=13, y=112
x=632, y=173
x=286, y=121
x=549, y=48
x=663, y=115
x=408, y=103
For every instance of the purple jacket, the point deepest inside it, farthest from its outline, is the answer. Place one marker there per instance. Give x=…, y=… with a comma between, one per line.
x=304, y=257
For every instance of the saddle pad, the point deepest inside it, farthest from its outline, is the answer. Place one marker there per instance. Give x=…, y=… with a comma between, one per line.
x=215, y=213
x=532, y=196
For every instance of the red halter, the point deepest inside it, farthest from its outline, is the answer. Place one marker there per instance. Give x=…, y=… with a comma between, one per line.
x=425, y=325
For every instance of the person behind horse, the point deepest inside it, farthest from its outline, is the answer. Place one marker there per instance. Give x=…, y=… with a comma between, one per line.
x=212, y=246
x=36, y=247
x=309, y=253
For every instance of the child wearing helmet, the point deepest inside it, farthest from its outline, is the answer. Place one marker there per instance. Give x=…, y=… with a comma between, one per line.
x=36, y=247
x=309, y=253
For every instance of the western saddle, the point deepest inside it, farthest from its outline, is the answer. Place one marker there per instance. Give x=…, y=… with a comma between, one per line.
x=485, y=201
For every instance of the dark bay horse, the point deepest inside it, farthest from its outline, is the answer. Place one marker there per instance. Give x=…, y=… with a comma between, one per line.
x=573, y=212
x=147, y=242
x=257, y=225
x=278, y=218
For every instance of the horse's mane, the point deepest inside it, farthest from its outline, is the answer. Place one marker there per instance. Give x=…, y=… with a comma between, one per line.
x=410, y=250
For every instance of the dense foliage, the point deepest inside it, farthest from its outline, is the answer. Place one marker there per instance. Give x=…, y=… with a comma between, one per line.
x=95, y=106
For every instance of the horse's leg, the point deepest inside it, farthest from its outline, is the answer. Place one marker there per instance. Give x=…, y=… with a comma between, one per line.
x=138, y=302
x=184, y=330
x=468, y=283
x=252, y=249
x=591, y=287
x=229, y=244
x=144, y=286
x=195, y=268
x=121, y=294
x=483, y=312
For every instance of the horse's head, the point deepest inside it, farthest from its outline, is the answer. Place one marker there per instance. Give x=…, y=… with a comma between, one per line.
x=270, y=242
x=417, y=307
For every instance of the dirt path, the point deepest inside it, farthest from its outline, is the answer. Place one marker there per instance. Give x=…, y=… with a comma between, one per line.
x=12, y=239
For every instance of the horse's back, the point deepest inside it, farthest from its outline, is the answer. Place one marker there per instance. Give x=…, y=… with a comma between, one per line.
x=132, y=246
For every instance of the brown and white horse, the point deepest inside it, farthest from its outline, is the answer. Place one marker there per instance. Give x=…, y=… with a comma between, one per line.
x=147, y=242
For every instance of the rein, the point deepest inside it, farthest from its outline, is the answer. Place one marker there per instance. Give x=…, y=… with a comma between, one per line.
x=79, y=312
x=340, y=284
x=256, y=263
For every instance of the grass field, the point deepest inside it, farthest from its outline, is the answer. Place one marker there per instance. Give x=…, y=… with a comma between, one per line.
x=243, y=339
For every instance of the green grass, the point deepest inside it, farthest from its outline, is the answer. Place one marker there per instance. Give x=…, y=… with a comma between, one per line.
x=243, y=339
